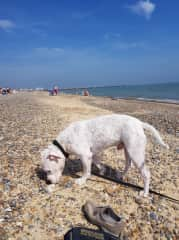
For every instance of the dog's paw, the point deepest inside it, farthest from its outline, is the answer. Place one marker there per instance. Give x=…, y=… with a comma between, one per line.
x=143, y=194
x=80, y=181
x=140, y=199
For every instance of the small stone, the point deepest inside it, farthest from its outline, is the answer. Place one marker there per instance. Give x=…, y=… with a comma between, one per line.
x=12, y=203
x=169, y=131
x=168, y=236
x=19, y=224
x=139, y=200
x=6, y=217
x=177, y=150
x=58, y=195
x=8, y=210
x=170, y=226
x=3, y=234
x=6, y=185
x=6, y=181
x=59, y=230
x=50, y=188
x=30, y=226
x=68, y=184
x=153, y=216
x=43, y=189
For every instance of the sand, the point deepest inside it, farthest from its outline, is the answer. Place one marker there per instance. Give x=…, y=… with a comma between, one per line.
x=30, y=121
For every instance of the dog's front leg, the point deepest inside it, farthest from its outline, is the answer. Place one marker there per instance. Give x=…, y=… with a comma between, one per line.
x=86, y=162
x=127, y=163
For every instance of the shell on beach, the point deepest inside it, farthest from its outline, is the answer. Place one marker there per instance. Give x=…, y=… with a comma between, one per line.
x=29, y=209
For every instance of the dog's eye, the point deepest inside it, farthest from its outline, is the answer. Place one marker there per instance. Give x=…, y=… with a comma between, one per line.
x=53, y=158
x=48, y=172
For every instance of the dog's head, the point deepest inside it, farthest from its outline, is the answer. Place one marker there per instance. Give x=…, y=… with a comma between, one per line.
x=52, y=163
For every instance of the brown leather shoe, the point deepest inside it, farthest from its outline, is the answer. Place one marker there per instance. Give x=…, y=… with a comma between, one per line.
x=104, y=217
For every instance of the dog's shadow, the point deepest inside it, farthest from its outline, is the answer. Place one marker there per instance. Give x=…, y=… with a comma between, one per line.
x=72, y=167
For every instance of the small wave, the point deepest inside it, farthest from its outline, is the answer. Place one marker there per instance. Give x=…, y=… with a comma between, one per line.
x=160, y=100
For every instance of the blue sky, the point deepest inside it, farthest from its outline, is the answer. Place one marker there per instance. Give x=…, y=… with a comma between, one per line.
x=88, y=43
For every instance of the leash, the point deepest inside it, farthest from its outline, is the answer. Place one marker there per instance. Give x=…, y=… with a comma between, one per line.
x=59, y=146
x=110, y=173
x=127, y=184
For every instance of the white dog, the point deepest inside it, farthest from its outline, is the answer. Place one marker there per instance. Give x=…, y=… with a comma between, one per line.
x=88, y=138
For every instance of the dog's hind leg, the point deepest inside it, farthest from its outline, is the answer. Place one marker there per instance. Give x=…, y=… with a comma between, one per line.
x=136, y=153
x=146, y=178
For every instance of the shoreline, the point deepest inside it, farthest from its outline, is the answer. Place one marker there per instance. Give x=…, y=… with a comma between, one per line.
x=167, y=101
x=157, y=100
x=163, y=92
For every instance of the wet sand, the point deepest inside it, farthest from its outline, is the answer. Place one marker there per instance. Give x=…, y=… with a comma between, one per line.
x=30, y=121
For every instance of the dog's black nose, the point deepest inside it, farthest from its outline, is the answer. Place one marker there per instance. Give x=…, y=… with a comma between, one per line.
x=42, y=175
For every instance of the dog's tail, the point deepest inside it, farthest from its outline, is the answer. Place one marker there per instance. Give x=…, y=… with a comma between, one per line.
x=155, y=134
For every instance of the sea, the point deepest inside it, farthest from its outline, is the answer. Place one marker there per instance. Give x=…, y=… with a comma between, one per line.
x=163, y=92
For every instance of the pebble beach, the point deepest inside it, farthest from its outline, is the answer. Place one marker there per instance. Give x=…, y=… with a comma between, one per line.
x=29, y=121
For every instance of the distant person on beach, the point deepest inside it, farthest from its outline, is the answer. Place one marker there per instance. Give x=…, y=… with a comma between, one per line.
x=8, y=90
x=55, y=90
x=85, y=93
x=4, y=91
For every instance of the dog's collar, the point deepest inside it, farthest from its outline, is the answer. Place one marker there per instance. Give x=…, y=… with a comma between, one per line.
x=57, y=144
